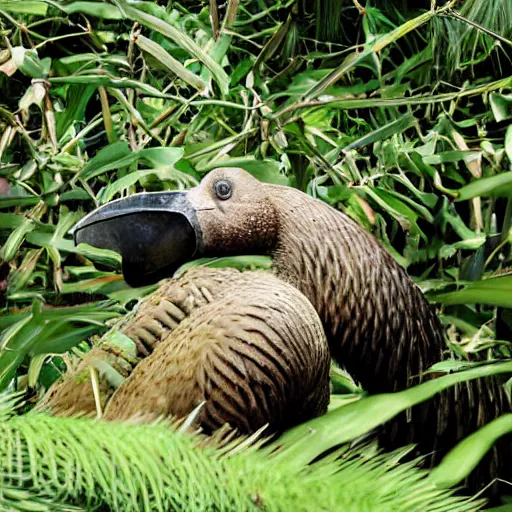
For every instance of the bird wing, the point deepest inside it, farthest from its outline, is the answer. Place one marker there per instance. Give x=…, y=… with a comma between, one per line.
x=152, y=320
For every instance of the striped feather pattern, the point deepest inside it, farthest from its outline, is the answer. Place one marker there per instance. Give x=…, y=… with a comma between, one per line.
x=255, y=355
x=152, y=320
x=379, y=326
x=158, y=315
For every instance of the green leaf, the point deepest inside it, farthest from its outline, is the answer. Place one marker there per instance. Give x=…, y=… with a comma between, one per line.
x=97, y=80
x=273, y=44
x=508, y=143
x=122, y=342
x=133, y=468
x=112, y=156
x=16, y=238
x=428, y=199
x=492, y=186
x=173, y=65
x=450, y=217
x=396, y=208
x=163, y=160
x=461, y=460
x=384, y=132
x=452, y=156
x=66, y=338
x=181, y=39
x=240, y=71
x=122, y=184
x=161, y=156
x=19, y=278
x=343, y=383
x=15, y=342
x=77, y=99
x=46, y=331
x=34, y=369
x=413, y=204
x=28, y=62
x=447, y=251
x=25, y=7
x=11, y=220
x=100, y=311
x=344, y=424
x=104, y=257
x=496, y=291
x=501, y=105
x=77, y=194
x=101, y=10
x=370, y=49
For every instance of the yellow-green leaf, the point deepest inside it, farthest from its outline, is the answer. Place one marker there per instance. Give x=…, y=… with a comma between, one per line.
x=167, y=60
x=461, y=460
x=496, y=291
x=492, y=186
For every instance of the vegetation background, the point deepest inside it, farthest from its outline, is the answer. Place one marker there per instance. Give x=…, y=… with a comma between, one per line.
x=398, y=113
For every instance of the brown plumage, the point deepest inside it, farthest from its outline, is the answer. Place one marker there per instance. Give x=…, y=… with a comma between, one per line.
x=255, y=355
x=72, y=394
x=247, y=344
x=378, y=324
x=150, y=321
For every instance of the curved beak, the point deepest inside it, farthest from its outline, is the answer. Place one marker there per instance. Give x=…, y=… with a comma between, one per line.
x=154, y=232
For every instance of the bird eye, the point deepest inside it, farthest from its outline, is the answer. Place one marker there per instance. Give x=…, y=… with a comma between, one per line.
x=223, y=189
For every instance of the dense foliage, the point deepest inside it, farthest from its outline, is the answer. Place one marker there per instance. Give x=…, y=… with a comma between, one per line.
x=399, y=116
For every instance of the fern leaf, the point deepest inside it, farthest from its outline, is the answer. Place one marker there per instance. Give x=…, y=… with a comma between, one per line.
x=94, y=464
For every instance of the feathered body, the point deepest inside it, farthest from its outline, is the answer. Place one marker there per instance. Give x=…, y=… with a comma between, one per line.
x=377, y=323
x=255, y=355
x=248, y=345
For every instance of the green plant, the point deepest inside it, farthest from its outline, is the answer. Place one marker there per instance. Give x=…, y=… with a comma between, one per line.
x=57, y=462
x=400, y=117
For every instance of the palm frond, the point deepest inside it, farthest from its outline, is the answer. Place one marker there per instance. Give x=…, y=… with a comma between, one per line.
x=78, y=461
x=14, y=498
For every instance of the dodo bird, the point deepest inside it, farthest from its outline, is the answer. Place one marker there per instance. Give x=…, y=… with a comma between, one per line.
x=376, y=321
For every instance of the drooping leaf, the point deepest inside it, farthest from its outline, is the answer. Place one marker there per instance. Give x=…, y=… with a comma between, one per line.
x=179, y=38
x=355, y=419
x=173, y=65
x=495, y=291
x=43, y=332
x=462, y=459
x=492, y=186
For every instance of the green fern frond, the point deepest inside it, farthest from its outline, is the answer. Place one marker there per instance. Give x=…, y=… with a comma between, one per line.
x=13, y=498
x=94, y=464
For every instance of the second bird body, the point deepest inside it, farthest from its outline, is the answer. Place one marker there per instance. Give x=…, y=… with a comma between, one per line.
x=256, y=355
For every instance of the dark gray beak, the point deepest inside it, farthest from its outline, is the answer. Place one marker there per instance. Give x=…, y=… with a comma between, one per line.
x=153, y=232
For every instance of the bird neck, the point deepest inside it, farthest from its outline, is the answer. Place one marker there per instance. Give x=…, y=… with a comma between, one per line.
x=379, y=325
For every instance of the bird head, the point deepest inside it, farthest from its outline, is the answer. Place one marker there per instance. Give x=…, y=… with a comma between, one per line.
x=229, y=213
